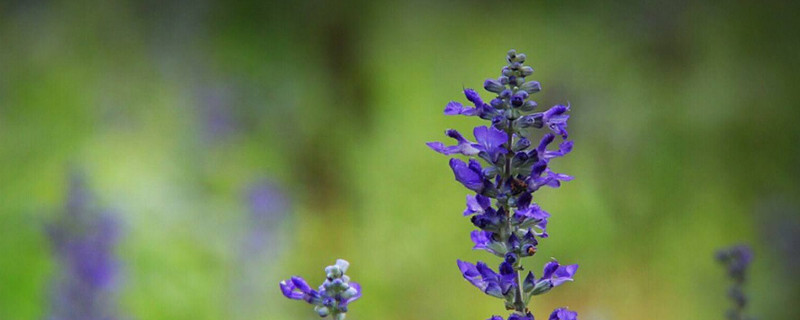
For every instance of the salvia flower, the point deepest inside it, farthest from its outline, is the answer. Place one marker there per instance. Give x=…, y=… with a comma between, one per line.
x=504, y=168
x=84, y=238
x=332, y=297
x=736, y=259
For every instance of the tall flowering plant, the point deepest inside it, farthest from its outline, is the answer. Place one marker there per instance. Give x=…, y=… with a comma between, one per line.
x=504, y=169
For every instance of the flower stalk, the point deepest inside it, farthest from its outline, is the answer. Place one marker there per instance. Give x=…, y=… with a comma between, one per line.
x=504, y=169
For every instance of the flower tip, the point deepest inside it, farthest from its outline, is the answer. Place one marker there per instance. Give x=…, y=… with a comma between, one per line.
x=471, y=95
x=343, y=264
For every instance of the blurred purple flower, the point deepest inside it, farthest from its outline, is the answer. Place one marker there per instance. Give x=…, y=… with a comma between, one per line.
x=736, y=259
x=83, y=239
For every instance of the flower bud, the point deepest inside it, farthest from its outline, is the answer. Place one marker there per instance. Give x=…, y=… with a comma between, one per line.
x=517, y=101
x=492, y=85
x=526, y=71
x=531, y=87
x=335, y=272
x=531, y=120
x=529, y=105
x=521, y=144
x=500, y=122
x=542, y=287
x=497, y=103
x=343, y=264
x=511, y=258
x=521, y=57
x=349, y=293
x=507, y=72
x=322, y=311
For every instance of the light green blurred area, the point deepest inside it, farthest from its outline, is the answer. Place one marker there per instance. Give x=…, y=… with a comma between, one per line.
x=684, y=115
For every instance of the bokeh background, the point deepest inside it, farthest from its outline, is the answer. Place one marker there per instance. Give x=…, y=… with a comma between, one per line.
x=685, y=117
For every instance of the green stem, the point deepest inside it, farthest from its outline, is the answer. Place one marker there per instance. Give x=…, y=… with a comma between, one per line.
x=519, y=303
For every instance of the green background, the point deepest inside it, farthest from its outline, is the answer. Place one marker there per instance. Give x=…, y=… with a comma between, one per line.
x=684, y=115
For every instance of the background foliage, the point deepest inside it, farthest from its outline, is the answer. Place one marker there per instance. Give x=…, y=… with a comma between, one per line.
x=685, y=117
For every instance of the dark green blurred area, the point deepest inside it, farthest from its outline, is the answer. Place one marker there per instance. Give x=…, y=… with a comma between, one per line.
x=685, y=117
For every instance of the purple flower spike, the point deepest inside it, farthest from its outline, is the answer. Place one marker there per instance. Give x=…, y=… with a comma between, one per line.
x=563, y=314
x=471, y=176
x=556, y=119
x=510, y=225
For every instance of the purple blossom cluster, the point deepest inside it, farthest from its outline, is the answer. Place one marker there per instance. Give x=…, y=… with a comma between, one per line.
x=504, y=169
x=736, y=259
x=333, y=296
x=83, y=239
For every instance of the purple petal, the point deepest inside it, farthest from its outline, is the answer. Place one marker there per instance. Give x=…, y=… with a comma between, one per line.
x=564, y=274
x=473, y=206
x=471, y=274
x=547, y=139
x=549, y=269
x=440, y=148
x=556, y=119
x=473, y=97
x=491, y=140
x=520, y=317
x=464, y=146
x=301, y=284
x=481, y=239
x=563, y=314
x=356, y=286
x=486, y=273
x=287, y=287
x=466, y=175
x=453, y=108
